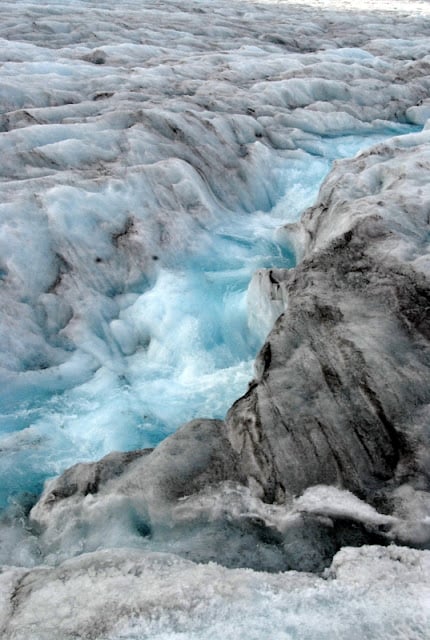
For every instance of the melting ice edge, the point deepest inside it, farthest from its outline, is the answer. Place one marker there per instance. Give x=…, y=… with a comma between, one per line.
x=154, y=158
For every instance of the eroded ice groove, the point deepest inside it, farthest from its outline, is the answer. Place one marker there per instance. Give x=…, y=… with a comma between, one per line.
x=148, y=154
x=176, y=347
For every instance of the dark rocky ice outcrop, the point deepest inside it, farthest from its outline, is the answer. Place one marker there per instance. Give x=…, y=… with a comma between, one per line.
x=341, y=393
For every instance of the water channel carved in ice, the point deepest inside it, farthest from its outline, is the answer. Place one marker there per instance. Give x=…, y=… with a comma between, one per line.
x=150, y=155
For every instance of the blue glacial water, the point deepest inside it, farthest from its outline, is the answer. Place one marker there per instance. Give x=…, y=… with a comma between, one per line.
x=195, y=351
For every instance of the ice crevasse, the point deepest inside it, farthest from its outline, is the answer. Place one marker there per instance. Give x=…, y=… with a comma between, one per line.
x=154, y=162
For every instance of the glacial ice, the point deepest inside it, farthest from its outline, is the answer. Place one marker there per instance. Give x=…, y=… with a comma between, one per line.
x=156, y=159
x=369, y=592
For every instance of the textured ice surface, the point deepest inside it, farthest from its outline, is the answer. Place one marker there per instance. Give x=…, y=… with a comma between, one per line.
x=371, y=592
x=150, y=154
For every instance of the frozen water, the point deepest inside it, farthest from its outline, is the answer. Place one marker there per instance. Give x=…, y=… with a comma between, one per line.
x=151, y=154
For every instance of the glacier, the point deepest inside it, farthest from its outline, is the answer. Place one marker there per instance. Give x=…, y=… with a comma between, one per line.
x=214, y=329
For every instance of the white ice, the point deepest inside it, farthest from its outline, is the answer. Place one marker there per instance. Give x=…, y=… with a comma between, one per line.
x=374, y=593
x=150, y=154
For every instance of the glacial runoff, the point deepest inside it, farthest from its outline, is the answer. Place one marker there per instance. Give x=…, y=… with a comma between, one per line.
x=214, y=320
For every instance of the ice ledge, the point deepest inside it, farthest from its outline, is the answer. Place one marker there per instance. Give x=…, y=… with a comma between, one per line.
x=141, y=595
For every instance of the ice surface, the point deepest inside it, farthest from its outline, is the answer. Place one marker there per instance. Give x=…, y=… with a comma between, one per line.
x=151, y=156
x=370, y=592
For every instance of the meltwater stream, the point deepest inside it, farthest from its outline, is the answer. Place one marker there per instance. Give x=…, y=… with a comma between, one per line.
x=186, y=348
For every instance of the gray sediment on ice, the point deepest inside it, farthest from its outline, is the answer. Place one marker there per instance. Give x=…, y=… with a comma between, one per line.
x=342, y=381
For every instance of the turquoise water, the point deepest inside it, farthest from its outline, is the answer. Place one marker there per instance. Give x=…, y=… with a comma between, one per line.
x=186, y=348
